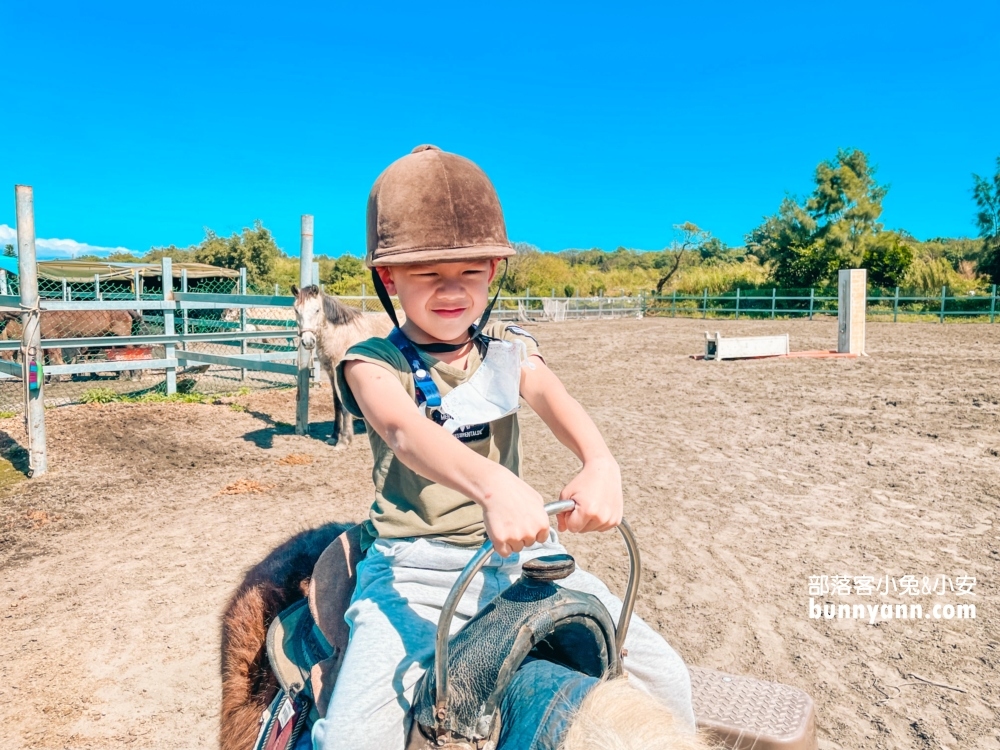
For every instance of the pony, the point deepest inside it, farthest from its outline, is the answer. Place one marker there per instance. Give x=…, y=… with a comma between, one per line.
x=276, y=582
x=66, y=324
x=331, y=327
x=614, y=716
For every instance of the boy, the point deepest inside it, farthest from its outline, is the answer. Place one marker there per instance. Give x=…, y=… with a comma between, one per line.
x=439, y=398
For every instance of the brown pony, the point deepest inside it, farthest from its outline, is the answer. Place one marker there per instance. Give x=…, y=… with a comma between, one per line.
x=278, y=581
x=68, y=324
x=615, y=715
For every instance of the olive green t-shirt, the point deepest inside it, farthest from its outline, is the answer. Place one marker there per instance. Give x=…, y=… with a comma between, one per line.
x=406, y=504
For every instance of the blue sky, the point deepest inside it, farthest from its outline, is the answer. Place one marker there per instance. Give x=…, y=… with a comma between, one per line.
x=601, y=124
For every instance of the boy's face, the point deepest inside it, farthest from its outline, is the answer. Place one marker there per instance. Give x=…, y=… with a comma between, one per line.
x=441, y=300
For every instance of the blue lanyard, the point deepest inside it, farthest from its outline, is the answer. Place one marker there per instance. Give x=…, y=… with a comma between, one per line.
x=426, y=390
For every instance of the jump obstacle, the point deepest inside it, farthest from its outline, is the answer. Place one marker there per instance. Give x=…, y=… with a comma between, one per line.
x=852, y=291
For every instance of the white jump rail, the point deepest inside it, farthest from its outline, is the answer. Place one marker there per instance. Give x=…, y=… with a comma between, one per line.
x=718, y=347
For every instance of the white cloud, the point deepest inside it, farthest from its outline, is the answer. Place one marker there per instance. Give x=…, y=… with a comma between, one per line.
x=56, y=248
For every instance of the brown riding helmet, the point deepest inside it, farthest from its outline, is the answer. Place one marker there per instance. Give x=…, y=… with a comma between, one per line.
x=431, y=206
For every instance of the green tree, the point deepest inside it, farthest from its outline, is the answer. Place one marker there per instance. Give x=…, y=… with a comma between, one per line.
x=121, y=257
x=253, y=249
x=180, y=254
x=691, y=237
x=986, y=193
x=346, y=266
x=888, y=257
x=9, y=251
x=836, y=227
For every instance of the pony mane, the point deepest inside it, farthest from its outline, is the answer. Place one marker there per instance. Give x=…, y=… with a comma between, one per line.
x=336, y=311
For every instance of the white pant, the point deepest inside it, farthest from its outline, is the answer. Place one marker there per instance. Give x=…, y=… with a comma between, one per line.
x=402, y=586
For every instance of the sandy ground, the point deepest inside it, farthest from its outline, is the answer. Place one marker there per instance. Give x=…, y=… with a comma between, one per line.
x=742, y=480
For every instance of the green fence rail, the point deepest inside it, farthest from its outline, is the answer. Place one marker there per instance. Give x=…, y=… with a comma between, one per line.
x=783, y=303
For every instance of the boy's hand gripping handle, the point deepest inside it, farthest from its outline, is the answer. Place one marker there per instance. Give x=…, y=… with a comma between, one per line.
x=475, y=565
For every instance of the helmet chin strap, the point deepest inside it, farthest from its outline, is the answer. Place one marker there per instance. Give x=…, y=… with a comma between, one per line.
x=475, y=331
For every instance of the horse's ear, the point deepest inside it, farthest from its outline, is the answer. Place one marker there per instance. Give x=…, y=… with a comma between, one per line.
x=295, y=290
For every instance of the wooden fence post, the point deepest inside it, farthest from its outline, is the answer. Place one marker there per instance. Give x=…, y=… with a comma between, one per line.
x=737, y=303
x=993, y=304
x=812, y=299
x=704, y=305
x=305, y=355
x=673, y=305
x=34, y=408
x=169, y=349
x=944, y=291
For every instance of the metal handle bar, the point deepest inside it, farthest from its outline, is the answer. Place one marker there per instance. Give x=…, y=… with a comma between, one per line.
x=475, y=565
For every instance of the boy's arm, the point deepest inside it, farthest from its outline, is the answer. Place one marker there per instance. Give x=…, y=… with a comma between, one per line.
x=597, y=488
x=514, y=513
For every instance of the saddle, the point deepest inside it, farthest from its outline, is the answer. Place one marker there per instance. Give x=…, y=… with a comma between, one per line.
x=533, y=619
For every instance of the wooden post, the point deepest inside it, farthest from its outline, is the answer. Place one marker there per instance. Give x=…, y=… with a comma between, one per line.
x=812, y=300
x=737, y=303
x=895, y=305
x=944, y=291
x=704, y=303
x=673, y=304
x=34, y=409
x=305, y=355
x=852, y=296
x=774, y=300
x=169, y=349
x=993, y=304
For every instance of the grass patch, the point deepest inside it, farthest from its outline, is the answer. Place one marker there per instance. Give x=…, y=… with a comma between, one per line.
x=185, y=395
x=7, y=414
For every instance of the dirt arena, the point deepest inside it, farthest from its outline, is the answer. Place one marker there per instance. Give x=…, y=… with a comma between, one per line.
x=742, y=480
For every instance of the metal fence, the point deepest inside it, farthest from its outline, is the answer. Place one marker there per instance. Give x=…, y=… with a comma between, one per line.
x=894, y=305
x=137, y=337
x=529, y=309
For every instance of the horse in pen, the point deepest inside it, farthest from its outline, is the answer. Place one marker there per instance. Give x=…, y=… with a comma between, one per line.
x=331, y=328
x=69, y=324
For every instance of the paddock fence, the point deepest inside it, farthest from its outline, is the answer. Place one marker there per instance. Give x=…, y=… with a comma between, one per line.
x=527, y=308
x=103, y=340
x=896, y=305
